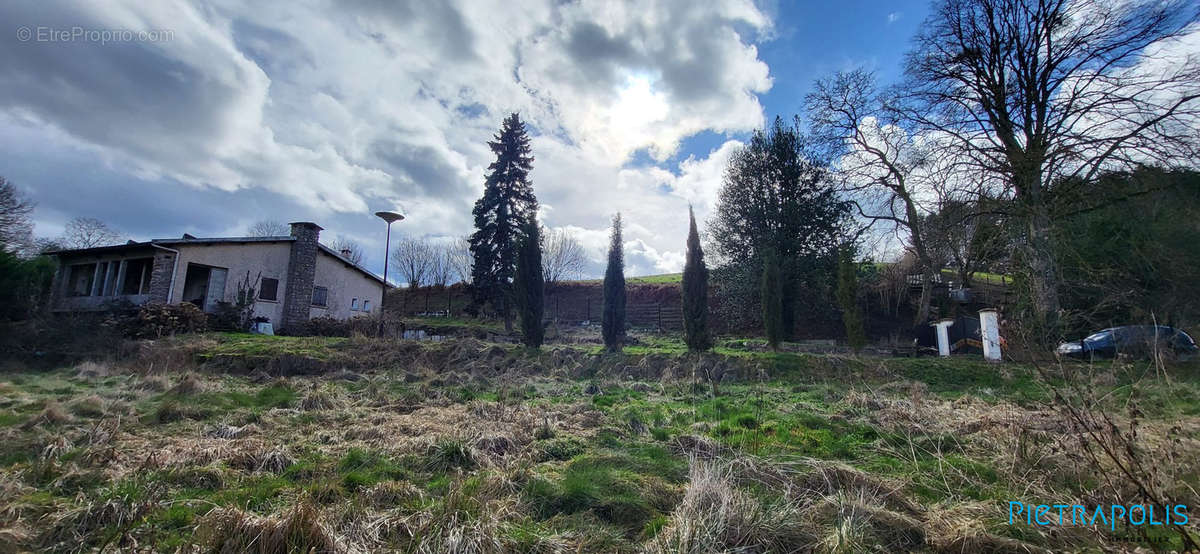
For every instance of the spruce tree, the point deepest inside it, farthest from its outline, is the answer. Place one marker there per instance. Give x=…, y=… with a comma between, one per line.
x=847, y=297
x=772, y=300
x=529, y=285
x=695, y=292
x=507, y=204
x=613, y=319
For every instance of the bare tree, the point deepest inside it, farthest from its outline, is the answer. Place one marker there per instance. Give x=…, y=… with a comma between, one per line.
x=413, y=259
x=969, y=235
x=563, y=257
x=16, y=230
x=88, y=232
x=883, y=171
x=1036, y=91
x=459, y=258
x=440, y=268
x=347, y=247
x=269, y=228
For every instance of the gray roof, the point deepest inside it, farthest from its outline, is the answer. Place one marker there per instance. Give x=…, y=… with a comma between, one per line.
x=132, y=245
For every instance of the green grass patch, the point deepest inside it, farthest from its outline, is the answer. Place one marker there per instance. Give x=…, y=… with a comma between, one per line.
x=360, y=468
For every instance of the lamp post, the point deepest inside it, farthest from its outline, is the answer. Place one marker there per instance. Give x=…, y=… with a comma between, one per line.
x=389, y=217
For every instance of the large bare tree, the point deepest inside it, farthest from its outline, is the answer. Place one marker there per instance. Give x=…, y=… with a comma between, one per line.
x=1050, y=92
x=269, y=228
x=880, y=167
x=562, y=256
x=88, y=232
x=413, y=259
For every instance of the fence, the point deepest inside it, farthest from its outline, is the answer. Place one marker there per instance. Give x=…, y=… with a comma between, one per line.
x=665, y=316
x=571, y=306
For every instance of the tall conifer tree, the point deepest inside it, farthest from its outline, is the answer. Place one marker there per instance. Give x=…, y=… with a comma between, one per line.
x=695, y=292
x=529, y=285
x=613, y=319
x=507, y=204
x=772, y=299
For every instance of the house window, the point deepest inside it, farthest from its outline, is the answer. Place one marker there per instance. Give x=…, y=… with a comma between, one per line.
x=320, y=296
x=108, y=278
x=353, y=304
x=80, y=280
x=268, y=289
x=137, y=276
x=366, y=305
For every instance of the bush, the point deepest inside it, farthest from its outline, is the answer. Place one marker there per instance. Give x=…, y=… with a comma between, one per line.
x=156, y=320
x=326, y=326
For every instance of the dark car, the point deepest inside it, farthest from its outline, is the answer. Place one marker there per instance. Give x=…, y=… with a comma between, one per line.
x=1139, y=341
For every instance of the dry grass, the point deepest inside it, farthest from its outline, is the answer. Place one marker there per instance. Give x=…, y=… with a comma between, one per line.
x=87, y=406
x=322, y=398
x=258, y=457
x=300, y=529
x=154, y=383
x=189, y=384
x=52, y=414
x=716, y=516
x=390, y=494
x=93, y=370
x=230, y=432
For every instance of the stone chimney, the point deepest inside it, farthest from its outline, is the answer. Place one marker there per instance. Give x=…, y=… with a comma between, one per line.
x=302, y=268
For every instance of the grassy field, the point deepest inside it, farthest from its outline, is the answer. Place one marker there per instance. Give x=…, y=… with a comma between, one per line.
x=661, y=279
x=559, y=451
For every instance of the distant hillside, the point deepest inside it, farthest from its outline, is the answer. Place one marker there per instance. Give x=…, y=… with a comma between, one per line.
x=660, y=279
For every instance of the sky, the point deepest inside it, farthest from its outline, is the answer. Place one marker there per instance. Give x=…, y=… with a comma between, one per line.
x=202, y=117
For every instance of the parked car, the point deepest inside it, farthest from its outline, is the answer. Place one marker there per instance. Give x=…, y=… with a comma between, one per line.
x=1138, y=341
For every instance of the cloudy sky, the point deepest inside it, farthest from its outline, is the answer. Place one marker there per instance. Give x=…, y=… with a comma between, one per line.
x=202, y=117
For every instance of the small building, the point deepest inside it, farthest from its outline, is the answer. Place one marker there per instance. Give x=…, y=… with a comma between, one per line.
x=299, y=278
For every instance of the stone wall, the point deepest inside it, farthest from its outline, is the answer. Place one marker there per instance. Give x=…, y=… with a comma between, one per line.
x=161, y=274
x=302, y=268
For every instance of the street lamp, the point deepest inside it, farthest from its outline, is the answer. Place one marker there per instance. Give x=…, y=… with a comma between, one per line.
x=390, y=218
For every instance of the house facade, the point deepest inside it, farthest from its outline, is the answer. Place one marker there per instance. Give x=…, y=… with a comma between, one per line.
x=298, y=277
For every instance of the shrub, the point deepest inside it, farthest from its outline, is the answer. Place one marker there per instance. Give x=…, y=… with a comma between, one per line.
x=156, y=320
x=326, y=326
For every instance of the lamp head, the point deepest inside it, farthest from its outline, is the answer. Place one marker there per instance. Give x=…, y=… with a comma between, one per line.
x=389, y=217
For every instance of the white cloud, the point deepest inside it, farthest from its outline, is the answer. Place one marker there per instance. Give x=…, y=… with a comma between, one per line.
x=373, y=104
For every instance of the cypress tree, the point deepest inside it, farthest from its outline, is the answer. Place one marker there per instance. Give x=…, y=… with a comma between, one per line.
x=529, y=285
x=772, y=300
x=507, y=204
x=695, y=292
x=847, y=297
x=613, y=319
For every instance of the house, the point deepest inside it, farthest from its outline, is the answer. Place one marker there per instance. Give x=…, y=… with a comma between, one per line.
x=299, y=278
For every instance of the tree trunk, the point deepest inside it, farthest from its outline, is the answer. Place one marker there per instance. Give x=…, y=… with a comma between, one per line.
x=926, y=294
x=1043, y=269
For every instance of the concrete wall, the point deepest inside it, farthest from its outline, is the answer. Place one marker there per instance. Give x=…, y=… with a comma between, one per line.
x=345, y=283
x=269, y=258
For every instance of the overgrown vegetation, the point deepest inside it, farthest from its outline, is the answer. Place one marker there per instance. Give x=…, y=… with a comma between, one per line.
x=462, y=446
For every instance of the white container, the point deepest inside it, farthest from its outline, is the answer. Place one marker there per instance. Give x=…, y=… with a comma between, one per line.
x=943, y=336
x=989, y=328
x=263, y=328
